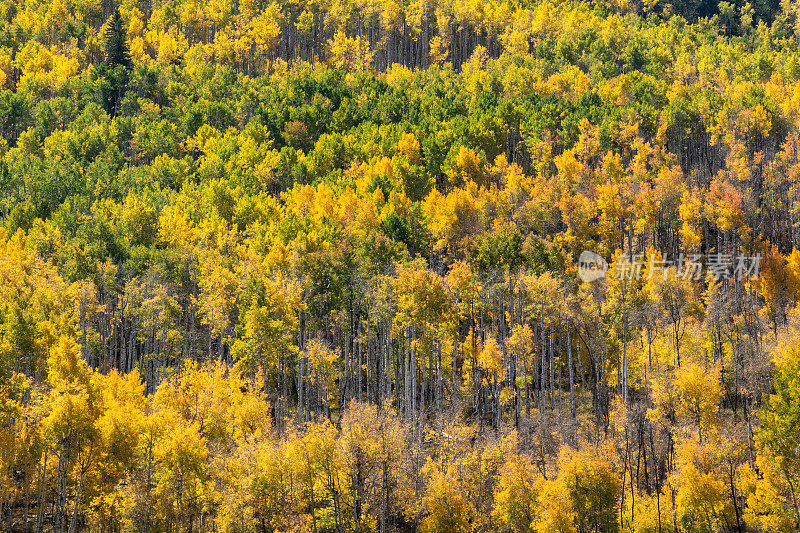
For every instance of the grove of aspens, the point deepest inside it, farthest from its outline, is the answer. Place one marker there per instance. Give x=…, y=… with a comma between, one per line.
x=320, y=266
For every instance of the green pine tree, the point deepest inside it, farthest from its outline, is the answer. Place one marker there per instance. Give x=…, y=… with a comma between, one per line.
x=117, y=52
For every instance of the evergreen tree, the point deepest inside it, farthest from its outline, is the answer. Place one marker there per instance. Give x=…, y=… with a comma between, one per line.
x=116, y=46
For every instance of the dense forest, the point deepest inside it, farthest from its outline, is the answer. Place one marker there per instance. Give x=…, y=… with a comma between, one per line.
x=313, y=265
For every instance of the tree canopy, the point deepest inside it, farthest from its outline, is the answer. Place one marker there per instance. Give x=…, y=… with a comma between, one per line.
x=318, y=266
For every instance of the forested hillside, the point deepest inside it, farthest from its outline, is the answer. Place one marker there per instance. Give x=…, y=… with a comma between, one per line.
x=314, y=266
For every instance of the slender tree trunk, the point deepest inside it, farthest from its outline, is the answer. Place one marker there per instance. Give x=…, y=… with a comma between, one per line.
x=571, y=374
x=43, y=484
x=84, y=467
x=552, y=374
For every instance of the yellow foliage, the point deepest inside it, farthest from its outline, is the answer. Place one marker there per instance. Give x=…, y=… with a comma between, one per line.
x=350, y=53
